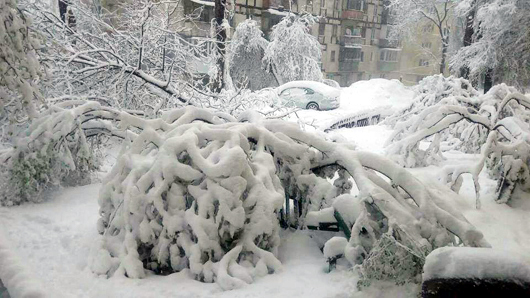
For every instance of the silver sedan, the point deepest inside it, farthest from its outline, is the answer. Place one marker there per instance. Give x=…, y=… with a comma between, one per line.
x=309, y=95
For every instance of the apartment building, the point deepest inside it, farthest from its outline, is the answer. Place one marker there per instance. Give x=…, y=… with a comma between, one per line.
x=353, y=35
x=421, y=56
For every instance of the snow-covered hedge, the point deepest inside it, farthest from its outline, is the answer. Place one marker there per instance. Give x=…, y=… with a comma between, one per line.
x=203, y=192
x=494, y=125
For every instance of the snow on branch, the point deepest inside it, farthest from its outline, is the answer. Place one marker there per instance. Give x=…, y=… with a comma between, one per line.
x=494, y=125
x=199, y=192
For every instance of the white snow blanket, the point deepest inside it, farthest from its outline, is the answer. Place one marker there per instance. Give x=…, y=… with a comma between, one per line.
x=480, y=263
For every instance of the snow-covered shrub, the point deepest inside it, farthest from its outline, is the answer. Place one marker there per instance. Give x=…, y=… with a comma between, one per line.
x=201, y=191
x=391, y=260
x=19, y=68
x=52, y=151
x=494, y=125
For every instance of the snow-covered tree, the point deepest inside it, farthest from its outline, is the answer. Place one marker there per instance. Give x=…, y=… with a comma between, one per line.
x=19, y=67
x=501, y=41
x=407, y=14
x=199, y=190
x=134, y=57
x=494, y=125
x=54, y=151
x=293, y=53
x=247, y=49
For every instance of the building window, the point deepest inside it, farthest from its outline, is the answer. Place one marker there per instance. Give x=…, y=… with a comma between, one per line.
x=321, y=28
x=332, y=56
x=362, y=56
x=334, y=33
x=388, y=56
x=336, y=5
x=371, y=56
x=423, y=62
x=322, y=3
x=356, y=4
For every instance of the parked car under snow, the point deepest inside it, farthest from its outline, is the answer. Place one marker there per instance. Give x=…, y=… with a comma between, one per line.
x=309, y=95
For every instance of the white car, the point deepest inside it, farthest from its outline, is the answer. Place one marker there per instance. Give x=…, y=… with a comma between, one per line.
x=309, y=95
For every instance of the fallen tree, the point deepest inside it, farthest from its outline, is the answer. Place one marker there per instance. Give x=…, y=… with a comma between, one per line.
x=203, y=191
x=196, y=191
x=494, y=125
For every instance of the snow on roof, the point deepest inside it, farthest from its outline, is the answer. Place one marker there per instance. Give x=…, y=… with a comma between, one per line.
x=481, y=263
x=206, y=3
x=317, y=86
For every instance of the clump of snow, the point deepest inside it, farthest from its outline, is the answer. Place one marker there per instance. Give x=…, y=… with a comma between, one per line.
x=349, y=207
x=363, y=95
x=313, y=218
x=480, y=263
x=335, y=247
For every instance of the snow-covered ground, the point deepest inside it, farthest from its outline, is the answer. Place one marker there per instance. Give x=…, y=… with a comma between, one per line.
x=51, y=242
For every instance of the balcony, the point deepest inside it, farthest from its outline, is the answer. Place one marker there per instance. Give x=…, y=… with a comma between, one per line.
x=387, y=43
x=353, y=15
x=387, y=65
x=349, y=65
x=350, y=41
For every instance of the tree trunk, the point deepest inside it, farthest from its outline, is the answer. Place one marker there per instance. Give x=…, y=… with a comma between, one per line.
x=444, y=55
x=63, y=7
x=468, y=37
x=488, y=80
x=220, y=36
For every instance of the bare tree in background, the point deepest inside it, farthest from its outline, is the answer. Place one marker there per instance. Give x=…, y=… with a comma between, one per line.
x=407, y=14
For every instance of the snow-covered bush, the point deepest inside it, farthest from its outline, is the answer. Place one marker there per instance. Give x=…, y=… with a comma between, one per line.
x=494, y=125
x=201, y=191
x=52, y=151
x=19, y=68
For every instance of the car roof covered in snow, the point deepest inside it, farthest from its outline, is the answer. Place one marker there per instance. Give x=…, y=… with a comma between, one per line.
x=316, y=86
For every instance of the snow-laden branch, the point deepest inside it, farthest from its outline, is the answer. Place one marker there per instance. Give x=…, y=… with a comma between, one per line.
x=499, y=120
x=208, y=195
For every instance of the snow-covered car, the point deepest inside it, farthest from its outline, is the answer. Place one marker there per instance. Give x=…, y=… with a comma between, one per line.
x=309, y=95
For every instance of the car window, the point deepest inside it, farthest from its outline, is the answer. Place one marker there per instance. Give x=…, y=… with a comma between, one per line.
x=285, y=92
x=309, y=91
x=297, y=91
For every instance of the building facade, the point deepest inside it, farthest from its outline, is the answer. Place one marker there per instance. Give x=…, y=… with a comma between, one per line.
x=354, y=36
